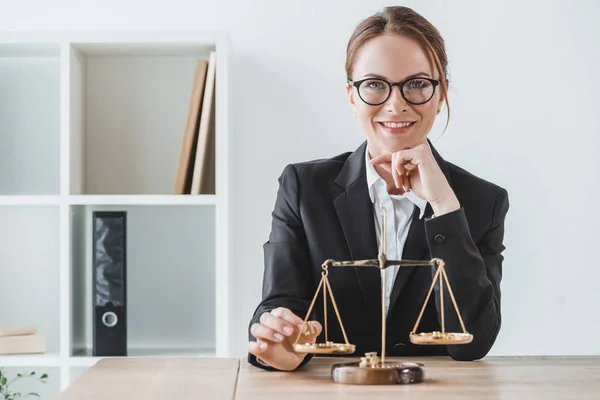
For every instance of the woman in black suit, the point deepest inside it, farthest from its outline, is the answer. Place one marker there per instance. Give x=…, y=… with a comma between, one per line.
x=330, y=209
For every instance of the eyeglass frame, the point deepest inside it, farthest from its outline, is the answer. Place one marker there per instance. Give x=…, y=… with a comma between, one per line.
x=356, y=84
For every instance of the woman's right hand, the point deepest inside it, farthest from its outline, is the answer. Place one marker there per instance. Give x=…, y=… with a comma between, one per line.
x=275, y=336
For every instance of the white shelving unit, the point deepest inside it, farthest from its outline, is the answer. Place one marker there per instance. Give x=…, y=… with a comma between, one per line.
x=94, y=121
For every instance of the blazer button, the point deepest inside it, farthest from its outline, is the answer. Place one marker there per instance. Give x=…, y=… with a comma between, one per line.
x=439, y=239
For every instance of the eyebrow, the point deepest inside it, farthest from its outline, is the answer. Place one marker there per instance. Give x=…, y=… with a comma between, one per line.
x=384, y=78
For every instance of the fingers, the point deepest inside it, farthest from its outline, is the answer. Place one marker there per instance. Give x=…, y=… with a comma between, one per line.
x=387, y=167
x=407, y=181
x=399, y=164
x=273, y=342
x=277, y=324
x=398, y=172
x=262, y=332
x=406, y=157
x=382, y=159
x=263, y=351
x=274, y=326
x=258, y=348
x=408, y=166
x=283, y=321
x=287, y=315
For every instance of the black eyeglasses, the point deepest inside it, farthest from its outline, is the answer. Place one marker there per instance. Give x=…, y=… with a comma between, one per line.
x=374, y=91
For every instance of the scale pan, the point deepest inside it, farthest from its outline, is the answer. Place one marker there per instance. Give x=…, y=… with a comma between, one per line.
x=441, y=338
x=324, y=348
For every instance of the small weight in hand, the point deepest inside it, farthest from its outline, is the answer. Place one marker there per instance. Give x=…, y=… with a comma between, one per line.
x=310, y=329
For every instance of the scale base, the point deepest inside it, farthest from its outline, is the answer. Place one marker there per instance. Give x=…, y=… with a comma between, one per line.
x=371, y=371
x=441, y=338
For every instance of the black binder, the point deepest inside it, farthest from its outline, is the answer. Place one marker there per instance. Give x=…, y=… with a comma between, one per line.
x=110, y=283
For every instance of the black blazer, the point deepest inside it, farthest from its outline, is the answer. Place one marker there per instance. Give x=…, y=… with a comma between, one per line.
x=323, y=211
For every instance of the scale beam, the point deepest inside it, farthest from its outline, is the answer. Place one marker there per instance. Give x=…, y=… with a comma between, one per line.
x=388, y=263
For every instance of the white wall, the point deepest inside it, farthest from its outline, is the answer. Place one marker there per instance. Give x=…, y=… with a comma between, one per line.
x=524, y=100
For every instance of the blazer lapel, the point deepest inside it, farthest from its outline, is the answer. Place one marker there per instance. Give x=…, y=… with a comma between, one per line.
x=355, y=212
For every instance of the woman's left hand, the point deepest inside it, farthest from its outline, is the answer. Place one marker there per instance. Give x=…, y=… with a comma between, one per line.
x=416, y=169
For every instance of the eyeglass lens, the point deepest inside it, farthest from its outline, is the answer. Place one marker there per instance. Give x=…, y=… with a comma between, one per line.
x=376, y=91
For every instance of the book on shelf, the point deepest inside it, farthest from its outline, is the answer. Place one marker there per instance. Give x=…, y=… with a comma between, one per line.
x=17, y=330
x=196, y=169
x=21, y=340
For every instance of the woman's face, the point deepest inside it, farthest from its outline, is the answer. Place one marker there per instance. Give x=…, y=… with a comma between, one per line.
x=393, y=58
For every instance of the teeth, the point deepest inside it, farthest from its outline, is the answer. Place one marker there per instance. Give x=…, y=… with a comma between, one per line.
x=397, y=125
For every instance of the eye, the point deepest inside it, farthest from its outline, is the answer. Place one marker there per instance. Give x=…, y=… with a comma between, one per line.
x=418, y=84
x=374, y=85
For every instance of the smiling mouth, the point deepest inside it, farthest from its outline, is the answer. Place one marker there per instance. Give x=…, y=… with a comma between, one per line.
x=397, y=124
x=397, y=127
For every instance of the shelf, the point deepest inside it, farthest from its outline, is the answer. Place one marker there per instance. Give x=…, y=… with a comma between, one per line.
x=33, y=200
x=170, y=275
x=203, y=199
x=145, y=89
x=29, y=262
x=95, y=121
x=143, y=199
x=133, y=48
x=29, y=119
x=30, y=360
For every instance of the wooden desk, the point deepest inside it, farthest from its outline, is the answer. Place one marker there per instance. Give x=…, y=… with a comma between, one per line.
x=506, y=378
x=502, y=378
x=156, y=378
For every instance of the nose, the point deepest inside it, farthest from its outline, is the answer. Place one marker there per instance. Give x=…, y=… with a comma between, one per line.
x=396, y=103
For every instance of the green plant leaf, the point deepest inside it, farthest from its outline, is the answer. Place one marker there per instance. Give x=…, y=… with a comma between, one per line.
x=3, y=380
x=44, y=376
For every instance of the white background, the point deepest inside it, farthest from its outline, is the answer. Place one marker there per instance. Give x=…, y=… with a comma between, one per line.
x=524, y=101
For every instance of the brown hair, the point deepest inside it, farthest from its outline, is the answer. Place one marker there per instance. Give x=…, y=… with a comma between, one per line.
x=402, y=21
